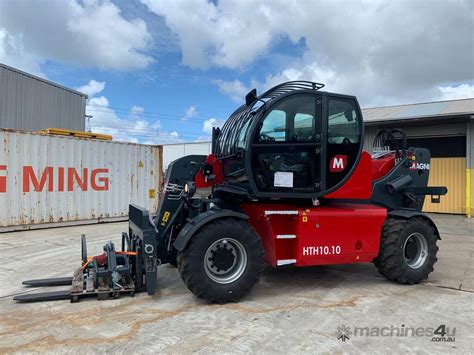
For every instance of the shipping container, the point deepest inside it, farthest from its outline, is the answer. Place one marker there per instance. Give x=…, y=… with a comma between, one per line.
x=174, y=151
x=53, y=180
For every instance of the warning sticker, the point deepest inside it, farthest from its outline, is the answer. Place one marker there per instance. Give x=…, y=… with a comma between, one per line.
x=151, y=193
x=283, y=179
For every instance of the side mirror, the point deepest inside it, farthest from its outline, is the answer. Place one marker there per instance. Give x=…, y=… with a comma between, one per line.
x=251, y=97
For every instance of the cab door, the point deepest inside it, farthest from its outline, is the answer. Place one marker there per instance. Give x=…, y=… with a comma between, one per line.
x=344, y=139
x=286, y=148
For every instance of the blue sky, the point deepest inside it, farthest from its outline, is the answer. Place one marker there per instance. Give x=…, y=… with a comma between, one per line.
x=166, y=71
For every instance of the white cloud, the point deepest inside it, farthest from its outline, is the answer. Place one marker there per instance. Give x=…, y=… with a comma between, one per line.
x=212, y=122
x=88, y=33
x=229, y=34
x=235, y=89
x=12, y=53
x=462, y=91
x=310, y=72
x=134, y=128
x=92, y=88
x=191, y=112
x=384, y=52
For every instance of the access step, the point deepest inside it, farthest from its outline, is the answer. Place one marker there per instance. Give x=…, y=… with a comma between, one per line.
x=281, y=212
x=286, y=236
x=286, y=262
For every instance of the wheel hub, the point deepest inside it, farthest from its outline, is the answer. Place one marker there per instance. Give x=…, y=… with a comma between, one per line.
x=222, y=258
x=415, y=250
x=225, y=260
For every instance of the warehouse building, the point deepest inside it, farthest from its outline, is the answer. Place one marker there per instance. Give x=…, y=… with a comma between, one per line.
x=30, y=103
x=444, y=127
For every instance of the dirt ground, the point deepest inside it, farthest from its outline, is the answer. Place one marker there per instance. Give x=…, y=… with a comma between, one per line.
x=291, y=310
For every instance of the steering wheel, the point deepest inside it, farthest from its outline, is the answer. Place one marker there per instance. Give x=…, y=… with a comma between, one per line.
x=265, y=138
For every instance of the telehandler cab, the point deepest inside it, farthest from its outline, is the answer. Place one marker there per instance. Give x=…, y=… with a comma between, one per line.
x=287, y=183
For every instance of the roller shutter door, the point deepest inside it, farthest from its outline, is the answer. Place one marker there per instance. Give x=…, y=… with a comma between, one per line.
x=449, y=172
x=447, y=168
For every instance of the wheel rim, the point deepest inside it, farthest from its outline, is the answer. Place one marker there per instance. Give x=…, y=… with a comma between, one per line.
x=225, y=260
x=415, y=250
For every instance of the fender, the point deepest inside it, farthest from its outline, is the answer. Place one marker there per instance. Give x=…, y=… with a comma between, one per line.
x=199, y=221
x=407, y=214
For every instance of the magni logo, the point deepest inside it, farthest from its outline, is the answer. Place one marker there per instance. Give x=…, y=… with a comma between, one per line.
x=338, y=163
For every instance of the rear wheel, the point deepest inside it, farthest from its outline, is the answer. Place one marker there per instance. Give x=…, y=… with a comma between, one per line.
x=223, y=261
x=407, y=250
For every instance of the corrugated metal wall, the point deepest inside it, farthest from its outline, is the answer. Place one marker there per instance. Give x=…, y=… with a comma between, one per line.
x=174, y=151
x=449, y=172
x=52, y=179
x=30, y=103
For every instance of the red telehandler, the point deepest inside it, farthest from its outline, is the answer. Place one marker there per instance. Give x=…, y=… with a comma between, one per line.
x=287, y=183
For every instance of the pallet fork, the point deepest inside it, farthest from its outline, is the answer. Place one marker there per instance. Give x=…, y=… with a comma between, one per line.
x=110, y=274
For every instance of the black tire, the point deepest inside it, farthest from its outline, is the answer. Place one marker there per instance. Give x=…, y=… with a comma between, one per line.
x=394, y=257
x=191, y=261
x=173, y=260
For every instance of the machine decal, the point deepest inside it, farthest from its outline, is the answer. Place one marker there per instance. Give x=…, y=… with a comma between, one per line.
x=305, y=217
x=322, y=250
x=149, y=249
x=419, y=166
x=283, y=179
x=338, y=163
x=165, y=218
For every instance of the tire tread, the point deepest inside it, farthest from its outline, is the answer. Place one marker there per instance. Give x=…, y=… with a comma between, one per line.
x=390, y=261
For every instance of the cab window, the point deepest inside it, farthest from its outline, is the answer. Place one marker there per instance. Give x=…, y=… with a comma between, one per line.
x=344, y=138
x=274, y=127
x=343, y=122
x=292, y=120
x=285, y=154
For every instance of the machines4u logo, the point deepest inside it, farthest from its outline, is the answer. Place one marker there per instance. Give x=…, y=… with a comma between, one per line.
x=442, y=333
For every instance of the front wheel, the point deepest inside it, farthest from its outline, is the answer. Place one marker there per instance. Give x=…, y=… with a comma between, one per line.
x=223, y=261
x=407, y=250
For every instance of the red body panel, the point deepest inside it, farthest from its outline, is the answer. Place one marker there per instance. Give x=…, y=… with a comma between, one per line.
x=200, y=179
x=338, y=234
x=382, y=166
x=359, y=185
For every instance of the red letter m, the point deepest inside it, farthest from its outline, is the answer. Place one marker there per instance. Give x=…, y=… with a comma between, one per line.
x=29, y=175
x=338, y=163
